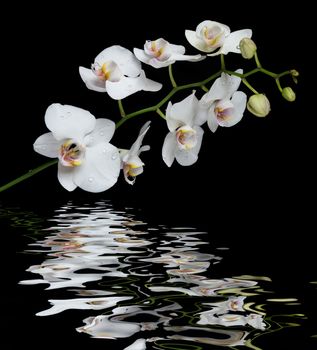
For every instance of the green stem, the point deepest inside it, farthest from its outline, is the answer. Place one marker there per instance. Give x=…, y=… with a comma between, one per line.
x=277, y=80
x=258, y=64
x=28, y=174
x=248, y=85
x=160, y=113
x=170, y=73
x=222, y=60
x=121, y=109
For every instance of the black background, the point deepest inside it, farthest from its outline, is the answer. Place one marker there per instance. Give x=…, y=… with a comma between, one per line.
x=253, y=183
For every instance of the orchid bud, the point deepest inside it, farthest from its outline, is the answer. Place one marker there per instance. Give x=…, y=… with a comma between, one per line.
x=247, y=48
x=294, y=73
x=289, y=94
x=259, y=105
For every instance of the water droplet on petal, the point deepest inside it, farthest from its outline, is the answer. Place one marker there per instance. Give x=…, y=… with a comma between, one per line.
x=104, y=150
x=114, y=156
x=101, y=133
x=90, y=179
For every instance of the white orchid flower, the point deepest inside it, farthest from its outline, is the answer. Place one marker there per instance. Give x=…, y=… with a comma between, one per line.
x=222, y=105
x=131, y=163
x=117, y=72
x=183, y=142
x=211, y=36
x=160, y=53
x=81, y=143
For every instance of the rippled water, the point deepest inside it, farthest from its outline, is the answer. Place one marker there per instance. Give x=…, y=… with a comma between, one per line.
x=151, y=286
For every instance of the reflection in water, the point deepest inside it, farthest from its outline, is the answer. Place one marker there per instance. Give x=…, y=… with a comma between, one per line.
x=150, y=283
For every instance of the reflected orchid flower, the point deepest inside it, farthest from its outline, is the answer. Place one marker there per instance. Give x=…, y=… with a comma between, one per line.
x=101, y=327
x=131, y=163
x=139, y=344
x=184, y=140
x=160, y=53
x=232, y=304
x=117, y=72
x=230, y=319
x=210, y=36
x=81, y=304
x=222, y=105
x=81, y=143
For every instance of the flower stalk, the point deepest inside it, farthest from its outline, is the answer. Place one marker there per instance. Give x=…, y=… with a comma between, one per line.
x=117, y=71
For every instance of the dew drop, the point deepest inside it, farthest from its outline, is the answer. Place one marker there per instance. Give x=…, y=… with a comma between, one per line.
x=101, y=133
x=114, y=156
x=90, y=179
x=104, y=151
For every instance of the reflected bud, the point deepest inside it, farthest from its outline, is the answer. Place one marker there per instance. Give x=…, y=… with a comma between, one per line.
x=289, y=94
x=259, y=105
x=247, y=48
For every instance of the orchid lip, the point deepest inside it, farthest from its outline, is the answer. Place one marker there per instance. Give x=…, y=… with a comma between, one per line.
x=71, y=153
x=186, y=137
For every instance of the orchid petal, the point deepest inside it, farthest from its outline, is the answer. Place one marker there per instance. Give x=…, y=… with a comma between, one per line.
x=47, y=145
x=232, y=83
x=103, y=132
x=69, y=122
x=212, y=120
x=127, y=62
x=155, y=63
x=144, y=149
x=239, y=100
x=91, y=80
x=137, y=144
x=218, y=91
x=141, y=55
x=188, y=157
x=100, y=170
x=191, y=58
x=231, y=43
x=195, y=41
x=128, y=86
x=65, y=177
x=208, y=24
x=183, y=111
x=135, y=161
x=169, y=147
x=177, y=49
x=201, y=115
x=222, y=88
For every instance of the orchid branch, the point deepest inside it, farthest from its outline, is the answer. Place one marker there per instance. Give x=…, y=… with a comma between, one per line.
x=72, y=152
